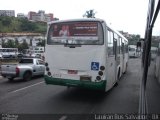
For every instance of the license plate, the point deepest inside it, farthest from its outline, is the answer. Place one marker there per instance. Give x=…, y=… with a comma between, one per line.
x=85, y=78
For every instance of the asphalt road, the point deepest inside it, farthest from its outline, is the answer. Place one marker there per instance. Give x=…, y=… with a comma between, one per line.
x=35, y=99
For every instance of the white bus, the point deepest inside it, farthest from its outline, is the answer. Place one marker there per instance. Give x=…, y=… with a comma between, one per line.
x=89, y=54
x=8, y=52
x=132, y=50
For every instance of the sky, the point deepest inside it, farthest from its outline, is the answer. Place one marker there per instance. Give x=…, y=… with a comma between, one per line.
x=127, y=15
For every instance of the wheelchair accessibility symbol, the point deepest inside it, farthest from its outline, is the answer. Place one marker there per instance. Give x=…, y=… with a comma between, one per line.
x=95, y=66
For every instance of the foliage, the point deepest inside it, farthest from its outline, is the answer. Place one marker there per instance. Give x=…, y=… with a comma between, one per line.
x=15, y=44
x=6, y=21
x=41, y=43
x=133, y=39
x=12, y=24
x=10, y=44
x=28, y=26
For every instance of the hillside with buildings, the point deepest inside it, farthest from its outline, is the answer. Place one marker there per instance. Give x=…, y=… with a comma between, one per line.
x=31, y=16
x=32, y=22
x=13, y=24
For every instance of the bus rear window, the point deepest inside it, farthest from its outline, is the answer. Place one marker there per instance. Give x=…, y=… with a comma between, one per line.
x=83, y=33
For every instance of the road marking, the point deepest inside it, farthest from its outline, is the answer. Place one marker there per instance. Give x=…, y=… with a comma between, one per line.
x=63, y=118
x=26, y=87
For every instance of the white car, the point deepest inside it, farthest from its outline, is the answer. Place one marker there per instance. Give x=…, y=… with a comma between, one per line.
x=1, y=56
x=25, y=69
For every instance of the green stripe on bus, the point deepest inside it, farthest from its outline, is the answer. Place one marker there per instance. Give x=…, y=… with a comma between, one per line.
x=76, y=83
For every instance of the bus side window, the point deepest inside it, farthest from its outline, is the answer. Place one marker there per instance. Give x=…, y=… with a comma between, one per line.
x=110, y=44
x=115, y=48
x=120, y=45
x=126, y=47
x=116, y=44
x=122, y=48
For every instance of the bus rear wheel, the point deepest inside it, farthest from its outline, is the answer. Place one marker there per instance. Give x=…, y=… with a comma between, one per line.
x=126, y=68
x=11, y=79
x=118, y=75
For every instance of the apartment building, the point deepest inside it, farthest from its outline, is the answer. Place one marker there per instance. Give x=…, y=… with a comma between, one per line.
x=10, y=13
x=40, y=16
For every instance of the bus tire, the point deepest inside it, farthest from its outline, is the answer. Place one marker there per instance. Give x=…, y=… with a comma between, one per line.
x=116, y=84
x=27, y=76
x=118, y=75
x=126, y=68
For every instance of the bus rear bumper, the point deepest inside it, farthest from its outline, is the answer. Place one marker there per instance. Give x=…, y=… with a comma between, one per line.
x=76, y=83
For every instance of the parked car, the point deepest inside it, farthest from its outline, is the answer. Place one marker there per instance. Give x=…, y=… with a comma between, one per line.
x=25, y=69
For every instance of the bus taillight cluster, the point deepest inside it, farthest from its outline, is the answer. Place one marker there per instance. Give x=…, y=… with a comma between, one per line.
x=100, y=73
x=47, y=69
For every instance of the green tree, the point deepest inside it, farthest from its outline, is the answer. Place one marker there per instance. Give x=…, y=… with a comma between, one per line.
x=10, y=44
x=23, y=45
x=4, y=45
x=12, y=24
x=133, y=39
x=16, y=43
x=6, y=21
x=41, y=43
x=30, y=41
x=27, y=26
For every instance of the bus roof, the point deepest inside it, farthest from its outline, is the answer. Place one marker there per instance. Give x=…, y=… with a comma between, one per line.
x=76, y=20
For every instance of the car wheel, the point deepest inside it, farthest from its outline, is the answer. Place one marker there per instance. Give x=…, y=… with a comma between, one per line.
x=11, y=79
x=27, y=76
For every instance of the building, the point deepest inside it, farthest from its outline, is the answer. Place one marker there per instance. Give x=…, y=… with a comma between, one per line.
x=40, y=16
x=21, y=15
x=10, y=13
